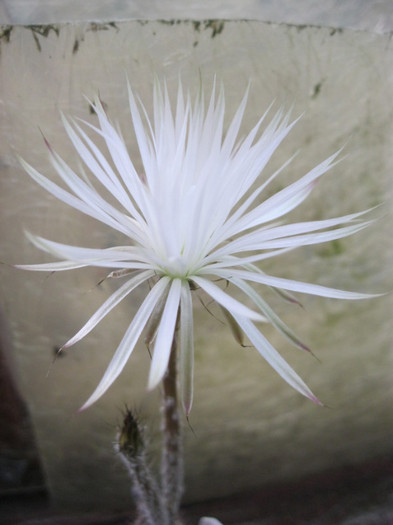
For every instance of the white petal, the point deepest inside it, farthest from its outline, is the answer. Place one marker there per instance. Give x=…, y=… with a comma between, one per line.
x=234, y=127
x=270, y=313
x=82, y=189
x=294, y=286
x=287, y=199
x=70, y=199
x=141, y=135
x=98, y=165
x=313, y=238
x=123, y=163
x=225, y=300
x=276, y=206
x=108, y=305
x=50, y=267
x=165, y=334
x=258, y=155
x=233, y=224
x=274, y=358
x=128, y=342
x=186, y=348
x=119, y=257
x=231, y=262
x=276, y=238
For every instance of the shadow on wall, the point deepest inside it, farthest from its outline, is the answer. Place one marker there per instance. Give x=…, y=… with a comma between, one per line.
x=20, y=469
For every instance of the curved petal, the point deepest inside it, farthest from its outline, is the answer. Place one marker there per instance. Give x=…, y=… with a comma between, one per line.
x=120, y=256
x=293, y=286
x=288, y=235
x=165, y=334
x=225, y=300
x=274, y=359
x=288, y=198
x=51, y=267
x=99, y=166
x=108, y=305
x=75, y=202
x=186, y=348
x=271, y=315
x=128, y=342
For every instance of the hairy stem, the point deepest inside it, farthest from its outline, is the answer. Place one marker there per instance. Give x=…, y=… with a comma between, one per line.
x=146, y=496
x=131, y=448
x=172, y=460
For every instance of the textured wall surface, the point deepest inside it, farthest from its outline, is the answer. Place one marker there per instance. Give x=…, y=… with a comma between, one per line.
x=250, y=427
x=376, y=16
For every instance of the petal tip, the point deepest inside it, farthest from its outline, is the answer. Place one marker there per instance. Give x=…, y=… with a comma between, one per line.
x=315, y=400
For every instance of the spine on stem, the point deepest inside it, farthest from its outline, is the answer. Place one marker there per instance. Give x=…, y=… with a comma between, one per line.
x=131, y=448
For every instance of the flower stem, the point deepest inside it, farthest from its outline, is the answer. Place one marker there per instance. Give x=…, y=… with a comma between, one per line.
x=130, y=445
x=146, y=496
x=172, y=459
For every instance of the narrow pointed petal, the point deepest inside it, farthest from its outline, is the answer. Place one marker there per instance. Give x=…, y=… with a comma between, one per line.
x=186, y=348
x=165, y=335
x=279, y=238
x=154, y=320
x=70, y=199
x=108, y=305
x=234, y=127
x=97, y=164
x=274, y=359
x=294, y=286
x=128, y=342
x=233, y=325
x=270, y=314
x=50, y=267
x=289, y=198
x=141, y=135
x=226, y=300
x=118, y=151
x=123, y=257
x=233, y=225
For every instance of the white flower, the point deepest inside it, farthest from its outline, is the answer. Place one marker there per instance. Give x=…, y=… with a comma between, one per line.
x=192, y=219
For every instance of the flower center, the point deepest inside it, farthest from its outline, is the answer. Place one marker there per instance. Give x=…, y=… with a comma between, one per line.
x=176, y=267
